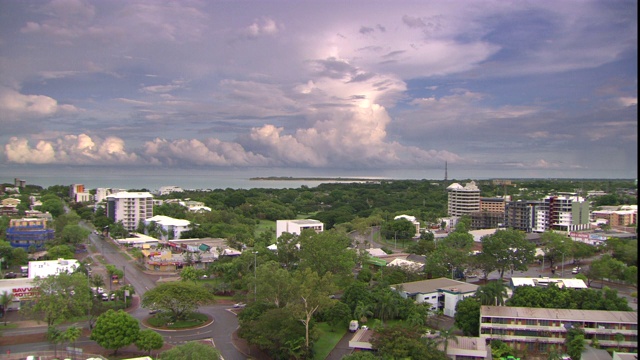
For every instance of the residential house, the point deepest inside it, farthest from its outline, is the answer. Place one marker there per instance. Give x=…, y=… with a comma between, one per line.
x=442, y=293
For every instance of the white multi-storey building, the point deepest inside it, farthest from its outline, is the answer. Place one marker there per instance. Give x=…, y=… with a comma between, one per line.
x=296, y=226
x=130, y=208
x=567, y=212
x=463, y=200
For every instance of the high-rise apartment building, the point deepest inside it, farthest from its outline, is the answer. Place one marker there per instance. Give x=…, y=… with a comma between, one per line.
x=522, y=215
x=567, y=212
x=130, y=208
x=463, y=200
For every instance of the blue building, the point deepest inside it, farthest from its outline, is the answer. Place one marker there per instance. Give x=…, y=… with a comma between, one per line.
x=27, y=232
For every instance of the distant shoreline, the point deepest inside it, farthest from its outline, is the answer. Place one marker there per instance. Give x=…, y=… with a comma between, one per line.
x=290, y=178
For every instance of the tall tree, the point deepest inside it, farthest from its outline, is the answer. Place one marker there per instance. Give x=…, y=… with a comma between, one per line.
x=313, y=294
x=115, y=330
x=327, y=252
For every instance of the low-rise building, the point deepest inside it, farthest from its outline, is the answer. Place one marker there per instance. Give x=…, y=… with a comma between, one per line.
x=568, y=283
x=537, y=329
x=442, y=293
x=46, y=268
x=172, y=228
x=296, y=226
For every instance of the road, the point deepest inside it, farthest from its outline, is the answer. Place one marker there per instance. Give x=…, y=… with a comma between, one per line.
x=219, y=331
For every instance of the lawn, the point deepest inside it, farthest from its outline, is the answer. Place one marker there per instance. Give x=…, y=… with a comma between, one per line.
x=327, y=340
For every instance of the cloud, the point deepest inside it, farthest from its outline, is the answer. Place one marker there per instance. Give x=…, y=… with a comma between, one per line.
x=262, y=27
x=70, y=149
x=16, y=106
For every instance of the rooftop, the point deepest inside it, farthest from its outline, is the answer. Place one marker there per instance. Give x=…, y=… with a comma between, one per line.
x=561, y=314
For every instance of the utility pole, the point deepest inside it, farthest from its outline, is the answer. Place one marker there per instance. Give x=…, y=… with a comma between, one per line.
x=255, y=276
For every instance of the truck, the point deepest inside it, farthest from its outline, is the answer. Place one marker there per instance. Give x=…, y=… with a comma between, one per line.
x=353, y=326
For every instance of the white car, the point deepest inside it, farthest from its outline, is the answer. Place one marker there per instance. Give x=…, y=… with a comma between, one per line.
x=575, y=270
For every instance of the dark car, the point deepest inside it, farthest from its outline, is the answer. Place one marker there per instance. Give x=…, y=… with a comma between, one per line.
x=10, y=275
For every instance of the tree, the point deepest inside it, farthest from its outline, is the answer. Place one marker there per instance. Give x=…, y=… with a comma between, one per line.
x=192, y=350
x=338, y=315
x=190, y=273
x=149, y=340
x=72, y=334
x=274, y=284
x=73, y=234
x=555, y=245
x=60, y=252
x=271, y=329
x=55, y=337
x=492, y=293
x=53, y=301
x=575, y=342
x=467, y=317
x=361, y=355
x=404, y=342
x=5, y=299
x=507, y=249
x=313, y=293
x=177, y=298
x=115, y=330
x=447, y=335
x=327, y=252
x=387, y=303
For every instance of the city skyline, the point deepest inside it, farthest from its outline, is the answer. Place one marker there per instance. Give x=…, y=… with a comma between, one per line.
x=492, y=89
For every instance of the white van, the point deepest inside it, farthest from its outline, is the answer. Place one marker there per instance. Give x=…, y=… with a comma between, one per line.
x=353, y=326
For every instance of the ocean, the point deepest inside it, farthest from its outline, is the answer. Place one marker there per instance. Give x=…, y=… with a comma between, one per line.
x=189, y=179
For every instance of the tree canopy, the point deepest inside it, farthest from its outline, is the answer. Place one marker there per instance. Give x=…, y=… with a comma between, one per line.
x=115, y=330
x=178, y=298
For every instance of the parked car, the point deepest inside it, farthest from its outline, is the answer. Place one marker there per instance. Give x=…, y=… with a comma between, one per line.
x=239, y=305
x=10, y=275
x=576, y=270
x=105, y=297
x=154, y=311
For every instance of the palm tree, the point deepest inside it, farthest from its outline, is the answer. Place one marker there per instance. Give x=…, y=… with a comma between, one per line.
x=362, y=312
x=492, y=293
x=72, y=334
x=387, y=305
x=5, y=299
x=447, y=335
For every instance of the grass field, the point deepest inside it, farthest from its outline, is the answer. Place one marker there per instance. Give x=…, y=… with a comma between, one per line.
x=327, y=341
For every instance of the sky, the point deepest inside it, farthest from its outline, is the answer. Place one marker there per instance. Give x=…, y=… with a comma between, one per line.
x=494, y=89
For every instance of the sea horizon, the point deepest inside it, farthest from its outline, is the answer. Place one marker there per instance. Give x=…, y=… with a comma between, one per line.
x=221, y=178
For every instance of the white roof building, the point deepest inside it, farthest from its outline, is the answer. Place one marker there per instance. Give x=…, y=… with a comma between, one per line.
x=51, y=267
x=173, y=227
x=296, y=226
